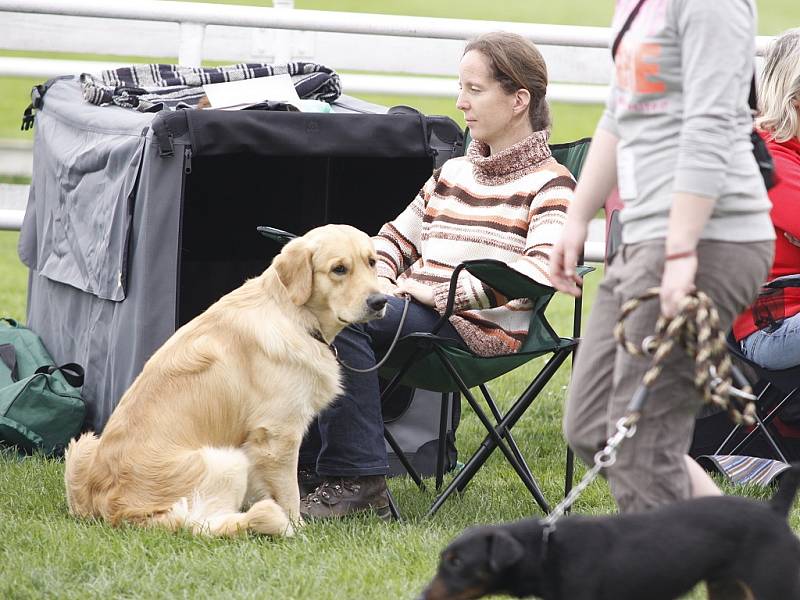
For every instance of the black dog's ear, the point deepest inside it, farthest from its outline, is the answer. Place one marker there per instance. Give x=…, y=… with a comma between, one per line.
x=504, y=551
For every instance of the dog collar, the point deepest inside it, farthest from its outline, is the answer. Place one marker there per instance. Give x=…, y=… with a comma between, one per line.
x=317, y=335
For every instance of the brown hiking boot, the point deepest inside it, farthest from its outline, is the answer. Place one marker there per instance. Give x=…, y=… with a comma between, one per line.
x=342, y=496
x=307, y=480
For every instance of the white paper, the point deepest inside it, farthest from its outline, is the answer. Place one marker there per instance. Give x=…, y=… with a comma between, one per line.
x=234, y=94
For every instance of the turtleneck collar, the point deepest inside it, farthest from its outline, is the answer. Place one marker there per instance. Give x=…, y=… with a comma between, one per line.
x=512, y=163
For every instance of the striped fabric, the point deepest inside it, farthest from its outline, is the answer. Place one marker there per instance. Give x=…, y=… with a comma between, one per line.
x=510, y=207
x=745, y=470
x=155, y=87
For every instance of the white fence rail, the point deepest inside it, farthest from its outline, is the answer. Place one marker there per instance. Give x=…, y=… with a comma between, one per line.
x=427, y=49
x=577, y=56
x=415, y=55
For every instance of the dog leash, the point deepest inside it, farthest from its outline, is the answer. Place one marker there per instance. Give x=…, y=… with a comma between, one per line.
x=696, y=328
x=402, y=322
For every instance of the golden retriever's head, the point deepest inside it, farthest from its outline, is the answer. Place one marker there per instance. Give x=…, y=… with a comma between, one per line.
x=331, y=272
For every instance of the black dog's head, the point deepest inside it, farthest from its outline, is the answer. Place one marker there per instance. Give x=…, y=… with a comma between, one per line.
x=482, y=561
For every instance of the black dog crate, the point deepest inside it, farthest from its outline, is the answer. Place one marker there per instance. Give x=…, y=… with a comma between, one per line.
x=137, y=222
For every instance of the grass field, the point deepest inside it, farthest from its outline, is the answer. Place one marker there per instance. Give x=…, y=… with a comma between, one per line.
x=46, y=554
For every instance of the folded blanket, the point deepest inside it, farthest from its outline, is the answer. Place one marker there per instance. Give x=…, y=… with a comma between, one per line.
x=744, y=469
x=152, y=88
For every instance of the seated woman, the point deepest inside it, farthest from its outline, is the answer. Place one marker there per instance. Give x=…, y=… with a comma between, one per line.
x=506, y=199
x=770, y=337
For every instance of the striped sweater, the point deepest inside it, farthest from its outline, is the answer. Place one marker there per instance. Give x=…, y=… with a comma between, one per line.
x=510, y=206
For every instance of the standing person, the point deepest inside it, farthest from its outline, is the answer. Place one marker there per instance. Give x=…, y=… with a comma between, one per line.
x=775, y=343
x=675, y=139
x=506, y=199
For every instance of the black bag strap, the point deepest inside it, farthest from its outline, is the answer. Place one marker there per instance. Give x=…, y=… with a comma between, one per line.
x=752, y=98
x=72, y=372
x=8, y=355
x=625, y=27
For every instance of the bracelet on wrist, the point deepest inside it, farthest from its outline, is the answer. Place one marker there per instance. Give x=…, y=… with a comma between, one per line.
x=679, y=255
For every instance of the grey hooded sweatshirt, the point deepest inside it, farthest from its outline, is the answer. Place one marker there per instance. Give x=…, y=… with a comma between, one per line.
x=679, y=105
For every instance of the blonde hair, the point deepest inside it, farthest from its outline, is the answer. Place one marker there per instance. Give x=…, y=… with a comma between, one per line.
x=779, y=88
x=517, y=64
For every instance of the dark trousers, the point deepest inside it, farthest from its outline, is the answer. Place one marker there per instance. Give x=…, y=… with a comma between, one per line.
x=347, y=437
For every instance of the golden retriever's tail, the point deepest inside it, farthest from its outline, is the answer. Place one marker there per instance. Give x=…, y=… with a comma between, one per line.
x=77, y=474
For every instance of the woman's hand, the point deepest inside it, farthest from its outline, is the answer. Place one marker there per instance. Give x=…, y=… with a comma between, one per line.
x=565, y=255
x=676, y=282
x=419, y=291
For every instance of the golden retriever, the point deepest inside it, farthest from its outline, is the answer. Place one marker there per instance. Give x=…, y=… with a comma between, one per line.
x=207, y=436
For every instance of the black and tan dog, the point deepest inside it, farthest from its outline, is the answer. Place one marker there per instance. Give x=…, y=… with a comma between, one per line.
x=743, y=549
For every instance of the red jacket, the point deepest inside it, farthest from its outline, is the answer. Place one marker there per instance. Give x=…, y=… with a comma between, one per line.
x=785, y=215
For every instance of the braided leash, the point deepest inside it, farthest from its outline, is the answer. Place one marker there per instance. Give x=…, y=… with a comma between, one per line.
x=696, y=329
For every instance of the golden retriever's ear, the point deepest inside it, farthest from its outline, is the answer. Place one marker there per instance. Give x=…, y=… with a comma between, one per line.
x=295, y=270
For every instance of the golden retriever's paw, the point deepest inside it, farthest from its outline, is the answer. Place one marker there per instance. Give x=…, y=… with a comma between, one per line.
x=267, y=517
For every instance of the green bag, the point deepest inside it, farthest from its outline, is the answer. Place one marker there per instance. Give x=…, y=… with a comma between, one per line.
x=40, y=404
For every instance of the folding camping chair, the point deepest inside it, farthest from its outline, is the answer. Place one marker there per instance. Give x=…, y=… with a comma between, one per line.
x=422, y=360
x=426, y=361
x=785, y=382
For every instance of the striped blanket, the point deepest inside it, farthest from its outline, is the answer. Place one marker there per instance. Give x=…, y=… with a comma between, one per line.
x=745, y=470
x=156, y=87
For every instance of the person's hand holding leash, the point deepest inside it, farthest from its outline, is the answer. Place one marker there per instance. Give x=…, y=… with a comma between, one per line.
x=687, y=218
x=677, y=280
x=419, y=291
x=565, y=255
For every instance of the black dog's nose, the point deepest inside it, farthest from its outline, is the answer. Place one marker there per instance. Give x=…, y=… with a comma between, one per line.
x=376, y=301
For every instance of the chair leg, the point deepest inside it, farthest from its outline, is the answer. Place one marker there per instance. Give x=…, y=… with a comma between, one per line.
x=441, y=447
x=728, y=438
x=739, y=426
x=394, y=382
x=512, y=444
x=509, y=420
x=403, y=459
x=570, y=472
x=497, y=434
x=466, y=474
x=761, y=427
x=393, y=507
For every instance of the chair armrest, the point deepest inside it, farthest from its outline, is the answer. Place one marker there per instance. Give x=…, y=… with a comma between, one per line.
x=508, y=281
x=276, y=235
x=501, y=277
x=787, y=281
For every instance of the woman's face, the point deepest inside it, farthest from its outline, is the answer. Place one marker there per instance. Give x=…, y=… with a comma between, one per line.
x=488, y=109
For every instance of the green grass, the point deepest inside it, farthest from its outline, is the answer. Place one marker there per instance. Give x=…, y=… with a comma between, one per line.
x=13, y=278
x=46, y=554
